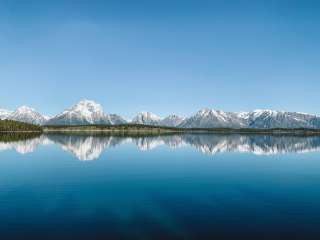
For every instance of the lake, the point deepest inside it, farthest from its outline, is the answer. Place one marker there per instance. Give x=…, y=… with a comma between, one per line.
x=188, y=186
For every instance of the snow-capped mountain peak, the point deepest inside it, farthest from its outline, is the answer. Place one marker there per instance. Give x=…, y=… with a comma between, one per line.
x=28, y=115
x=171, y=121
x=150, y=115
x=259, y=112
x=89, y=112
x=87, y=107
x=243, y=115
x=4, y=113
x=25, y=109
x=148, y=118
x=84, y=112
x=206, y=112
x=210, y=118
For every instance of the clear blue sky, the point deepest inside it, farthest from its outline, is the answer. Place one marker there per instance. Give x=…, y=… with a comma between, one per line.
x=163, y=56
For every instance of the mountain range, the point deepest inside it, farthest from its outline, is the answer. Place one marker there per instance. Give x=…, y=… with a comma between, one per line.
x=89, y=112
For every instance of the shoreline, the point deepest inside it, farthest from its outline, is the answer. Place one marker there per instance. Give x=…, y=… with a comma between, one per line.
x=158, y=130
x=144, y=129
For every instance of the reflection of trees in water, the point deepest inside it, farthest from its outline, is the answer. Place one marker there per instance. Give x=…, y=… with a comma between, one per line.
x=90, y=147
x=14, y=137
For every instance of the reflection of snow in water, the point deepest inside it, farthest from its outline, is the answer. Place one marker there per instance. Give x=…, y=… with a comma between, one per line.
x=86, y=147
x=25, y=146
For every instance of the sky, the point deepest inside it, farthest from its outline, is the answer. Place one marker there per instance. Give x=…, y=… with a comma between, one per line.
x=168, y=56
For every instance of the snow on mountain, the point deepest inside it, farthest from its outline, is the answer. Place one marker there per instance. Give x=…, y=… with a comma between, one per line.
x=281, y=119
x=171, y=121
x=209, y=118
x=149, y=118
x=146, y=118
x=27, y=115
x=4, y=114
x=89, y=112
x=116, y=119
x=85, y=112
x=82, y=113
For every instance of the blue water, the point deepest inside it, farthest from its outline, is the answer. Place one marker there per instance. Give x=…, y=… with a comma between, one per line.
x=209, y=187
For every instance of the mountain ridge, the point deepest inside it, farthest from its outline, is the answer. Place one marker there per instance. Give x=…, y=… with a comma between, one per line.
x=88, y=112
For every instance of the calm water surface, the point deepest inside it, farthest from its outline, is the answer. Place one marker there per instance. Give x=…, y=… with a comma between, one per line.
x=162, y=187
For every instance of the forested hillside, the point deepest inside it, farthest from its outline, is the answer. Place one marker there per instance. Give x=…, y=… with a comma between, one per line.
x=12, y=126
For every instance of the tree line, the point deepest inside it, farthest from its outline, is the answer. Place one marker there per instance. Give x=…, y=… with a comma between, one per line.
x=14, y=126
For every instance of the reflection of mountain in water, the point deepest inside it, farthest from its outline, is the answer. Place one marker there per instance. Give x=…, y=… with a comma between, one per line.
x=90, y=147
x=256, y=144
x=151, y=142
x=26, y=145
x=85, y=147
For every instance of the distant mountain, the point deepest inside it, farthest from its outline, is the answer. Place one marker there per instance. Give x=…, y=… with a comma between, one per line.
x=83, y=113
x=4, y=114
x=116, y=119
x=171, y=121
x=208, y=118
x=280, y=119
x=149, y=118
x=27, y=115
x=146, y=118
x=89, y=112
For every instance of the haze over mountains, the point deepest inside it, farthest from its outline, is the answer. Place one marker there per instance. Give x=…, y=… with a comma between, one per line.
x=89, y=112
